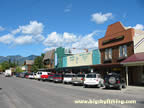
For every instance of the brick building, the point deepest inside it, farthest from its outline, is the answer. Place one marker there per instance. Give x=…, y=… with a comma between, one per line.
x=115, y=46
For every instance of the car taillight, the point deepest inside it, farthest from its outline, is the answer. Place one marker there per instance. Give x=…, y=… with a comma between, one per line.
x=82, y=78
x=104, y=81
x=97, y=80
x=118, y=81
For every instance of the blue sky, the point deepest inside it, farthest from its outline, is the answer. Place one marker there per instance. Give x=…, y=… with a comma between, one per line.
x=35, y=26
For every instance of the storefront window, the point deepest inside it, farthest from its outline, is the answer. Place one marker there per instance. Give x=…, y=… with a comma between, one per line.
x=123, y=51
x=108, y=54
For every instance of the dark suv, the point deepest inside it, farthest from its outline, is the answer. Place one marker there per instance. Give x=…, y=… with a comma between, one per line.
x=113, y=80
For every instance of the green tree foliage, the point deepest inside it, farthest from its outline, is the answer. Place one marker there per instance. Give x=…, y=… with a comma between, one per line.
x=38, y=63
x=34, y=68
x=18, y=69
x=5, y=65
x=8, y=64
x=1, y=68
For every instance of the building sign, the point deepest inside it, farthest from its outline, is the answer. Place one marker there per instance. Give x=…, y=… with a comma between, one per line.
x=56, y=61
x=113, y=40
x=81, y=59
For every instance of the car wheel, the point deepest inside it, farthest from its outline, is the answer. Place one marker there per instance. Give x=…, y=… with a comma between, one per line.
x=102, y=85
x=124, y=86
x=85, y=86
x=73, y=84
x=106, y=87
x=120, y=87
x=99, y=85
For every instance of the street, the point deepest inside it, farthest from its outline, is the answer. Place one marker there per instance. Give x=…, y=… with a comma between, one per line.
x=26, y=93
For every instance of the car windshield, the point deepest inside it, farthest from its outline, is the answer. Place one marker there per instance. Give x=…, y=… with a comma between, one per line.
x=44, y=73
x=57, y=75
x=50, y=74
x=91, y=76
x=39, y=72
x=69, y=76
x=81, y=75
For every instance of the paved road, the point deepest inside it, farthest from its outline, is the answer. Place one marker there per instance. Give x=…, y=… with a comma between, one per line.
x=25, y=93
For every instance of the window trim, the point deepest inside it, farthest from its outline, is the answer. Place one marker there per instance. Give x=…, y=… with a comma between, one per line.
x=122, y=51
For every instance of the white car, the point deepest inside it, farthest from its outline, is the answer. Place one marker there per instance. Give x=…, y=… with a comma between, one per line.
x=93, y=79
x=38, y=75
x=31, y=76
x=68, y=78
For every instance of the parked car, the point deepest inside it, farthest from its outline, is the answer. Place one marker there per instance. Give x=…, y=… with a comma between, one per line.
x=113, y=80
x=26, y=75
x=78, y=79
x=68, y=78
x=8, y=73
x=34, y=75
x=93, y=79
x=58, y=78
x=38, y=75
x=44, y=76
x=23, y=74
x=17, y=74
x=50, y=77
x=31, y=76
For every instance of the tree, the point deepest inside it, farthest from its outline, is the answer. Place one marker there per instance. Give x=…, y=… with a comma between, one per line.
x=1, y=68
x=34, y=68
x=38, y=63
x=18, y=69
x=5, y=65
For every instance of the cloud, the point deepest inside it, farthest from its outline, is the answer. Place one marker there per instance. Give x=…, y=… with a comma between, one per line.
x=87, y=41
x=53, y=40
x=137, y=26
x=23, y=40
x=100, y=18
x=68, y=8
x=34, y=28
x=25, y=34
x=48, y=49
x=15, y=31
x=70, y=40
x=1, y=28
x=7, y=39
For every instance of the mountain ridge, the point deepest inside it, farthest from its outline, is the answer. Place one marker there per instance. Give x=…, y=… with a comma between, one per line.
x=17, y=58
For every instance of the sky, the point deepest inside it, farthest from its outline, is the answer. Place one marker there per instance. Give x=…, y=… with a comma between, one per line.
x=30, y=27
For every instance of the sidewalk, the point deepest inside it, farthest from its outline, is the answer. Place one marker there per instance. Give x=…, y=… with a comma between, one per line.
x=136, y=87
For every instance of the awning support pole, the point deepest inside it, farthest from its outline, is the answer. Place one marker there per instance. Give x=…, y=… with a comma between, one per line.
x=127, y=75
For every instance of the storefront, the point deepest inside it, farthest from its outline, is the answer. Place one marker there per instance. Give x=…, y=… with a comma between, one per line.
x=134, y=68
x=103, y=69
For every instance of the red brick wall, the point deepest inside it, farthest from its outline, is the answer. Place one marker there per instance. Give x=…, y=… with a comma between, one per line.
x=115, y=53
x=116, y=30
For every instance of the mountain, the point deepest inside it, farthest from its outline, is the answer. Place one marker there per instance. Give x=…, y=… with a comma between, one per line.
x=16, y=58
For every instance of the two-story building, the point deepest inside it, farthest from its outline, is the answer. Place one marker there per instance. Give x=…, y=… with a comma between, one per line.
x=28, y=65
x=48, y=59
x=115, y=46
